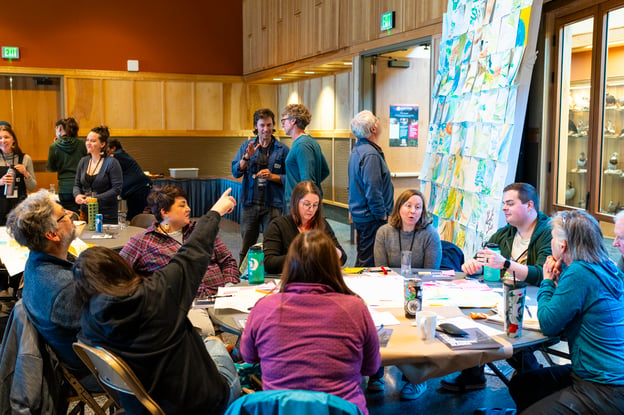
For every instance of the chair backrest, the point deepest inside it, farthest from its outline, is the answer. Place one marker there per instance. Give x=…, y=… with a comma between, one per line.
x=112, y=372
x=286, y=402
x=143, y=220
x=452, y=256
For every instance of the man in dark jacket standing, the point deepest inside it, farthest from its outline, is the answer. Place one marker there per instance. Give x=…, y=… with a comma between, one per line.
x=63, y=157
x=371, y=193
x=136, y=185
x=524, y=246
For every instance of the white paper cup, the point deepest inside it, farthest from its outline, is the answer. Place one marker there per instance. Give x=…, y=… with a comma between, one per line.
x=426, y=324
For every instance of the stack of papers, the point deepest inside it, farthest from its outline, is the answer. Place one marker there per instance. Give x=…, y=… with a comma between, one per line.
x=243, y=297
x=460, y=293
x=384, y=291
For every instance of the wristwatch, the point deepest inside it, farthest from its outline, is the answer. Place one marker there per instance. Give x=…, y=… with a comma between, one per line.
x=506, y=265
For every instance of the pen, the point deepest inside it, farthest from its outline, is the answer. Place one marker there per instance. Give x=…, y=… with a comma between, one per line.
x=380, y=328
x=528, y=311
x=385, y=271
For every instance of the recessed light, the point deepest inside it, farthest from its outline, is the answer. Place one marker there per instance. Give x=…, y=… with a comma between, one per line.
x=309, y=73
x=347, y=63
x=277, y=79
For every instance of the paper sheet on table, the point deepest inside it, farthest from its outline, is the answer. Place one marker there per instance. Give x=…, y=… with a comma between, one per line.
x=384, y=318
x=242, y=298
x=378, y=291
x=460, y=293
x=13, y=256
x=78, y=246
x=529, y=321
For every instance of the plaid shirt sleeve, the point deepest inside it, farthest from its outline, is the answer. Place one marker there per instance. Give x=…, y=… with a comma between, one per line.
x=222, y=270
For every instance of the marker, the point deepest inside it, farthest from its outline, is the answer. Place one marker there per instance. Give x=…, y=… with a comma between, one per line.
x=380, y=328
x=385, y=271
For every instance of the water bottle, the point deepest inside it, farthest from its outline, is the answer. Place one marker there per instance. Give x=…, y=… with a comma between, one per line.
x=9, y=187
x=255, y=265
x=489, y=273
x=92, y=210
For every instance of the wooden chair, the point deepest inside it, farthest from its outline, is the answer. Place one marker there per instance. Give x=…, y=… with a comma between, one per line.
x=143, y=220
x=113, y=373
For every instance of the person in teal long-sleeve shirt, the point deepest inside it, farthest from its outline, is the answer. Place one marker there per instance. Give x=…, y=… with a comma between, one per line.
x=582, y=299
x=305, y=161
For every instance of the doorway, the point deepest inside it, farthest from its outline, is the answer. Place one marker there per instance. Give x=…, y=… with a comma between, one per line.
x=396, y=86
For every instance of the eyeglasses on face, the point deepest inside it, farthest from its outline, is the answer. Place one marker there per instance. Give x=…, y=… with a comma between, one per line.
x=65, y=213
x=309, y=205
x=283, y=120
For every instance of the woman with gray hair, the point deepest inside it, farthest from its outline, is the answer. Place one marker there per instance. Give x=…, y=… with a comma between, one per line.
x=581, y=298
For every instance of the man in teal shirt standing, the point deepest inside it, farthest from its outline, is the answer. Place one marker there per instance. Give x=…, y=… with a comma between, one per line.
x=305, y=161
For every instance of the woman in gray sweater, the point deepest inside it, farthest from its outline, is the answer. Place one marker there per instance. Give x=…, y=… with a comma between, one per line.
x=408, y=229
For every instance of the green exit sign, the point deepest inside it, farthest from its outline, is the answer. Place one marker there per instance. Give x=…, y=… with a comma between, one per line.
x=10, y=52
x=387, y=21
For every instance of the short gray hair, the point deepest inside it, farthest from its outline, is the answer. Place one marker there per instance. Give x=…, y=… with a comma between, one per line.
x=583, y=235
x=618, y=216
x=362, y=123
x=32, y=219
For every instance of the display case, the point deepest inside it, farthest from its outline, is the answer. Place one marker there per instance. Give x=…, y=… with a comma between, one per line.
x=589, y=158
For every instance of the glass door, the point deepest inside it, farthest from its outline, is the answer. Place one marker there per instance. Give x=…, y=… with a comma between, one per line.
x=612, y=132
x=574, y=120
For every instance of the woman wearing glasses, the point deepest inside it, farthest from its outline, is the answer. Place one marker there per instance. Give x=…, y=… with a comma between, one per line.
x=581, y=298
x=306, y=213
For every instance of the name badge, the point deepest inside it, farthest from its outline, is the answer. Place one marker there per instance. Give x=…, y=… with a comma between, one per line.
x=277, y=166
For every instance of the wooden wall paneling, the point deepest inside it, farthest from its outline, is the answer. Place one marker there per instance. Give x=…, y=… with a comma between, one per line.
x=212, y=155
x=360, y=13
x=411, y=17
x=249, y=24
x=429, y=12
x=208, y=105
x=149, y=104
x=305, y=33
x=344, y=23
x=6, y=113
x=85, y=102
x=261, y=96
x=179, y=105
x=341, y=151
x=118, y=99
x=343, y=101
x=235, y=106
x=322, y=103
x=326, y=20
x=36, y=108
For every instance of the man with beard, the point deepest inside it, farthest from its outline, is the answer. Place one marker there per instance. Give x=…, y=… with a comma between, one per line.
x=44, y=227
x=261, y=161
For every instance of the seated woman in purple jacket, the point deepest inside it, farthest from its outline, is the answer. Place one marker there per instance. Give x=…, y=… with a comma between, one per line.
x=315, y=334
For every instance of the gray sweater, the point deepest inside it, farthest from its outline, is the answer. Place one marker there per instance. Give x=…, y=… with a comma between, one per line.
x=426, y=252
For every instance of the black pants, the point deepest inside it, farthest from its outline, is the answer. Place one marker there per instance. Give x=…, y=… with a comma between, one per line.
x=136, y=202
x=365, y=240
x=558, y=390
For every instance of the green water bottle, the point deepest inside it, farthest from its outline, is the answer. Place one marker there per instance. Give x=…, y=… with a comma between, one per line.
x=255, y=265
x=489, y=273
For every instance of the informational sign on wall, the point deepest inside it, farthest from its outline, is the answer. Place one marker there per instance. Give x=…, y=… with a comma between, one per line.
x=403, y=130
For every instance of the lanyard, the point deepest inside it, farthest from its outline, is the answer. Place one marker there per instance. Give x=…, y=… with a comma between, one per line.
x=412, y=244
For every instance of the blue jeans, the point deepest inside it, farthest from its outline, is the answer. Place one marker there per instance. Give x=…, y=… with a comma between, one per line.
x=365, y=240
x=225, y=366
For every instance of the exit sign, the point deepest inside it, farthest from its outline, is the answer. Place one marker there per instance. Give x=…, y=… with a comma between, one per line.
x=10, y=52
x=387, y=21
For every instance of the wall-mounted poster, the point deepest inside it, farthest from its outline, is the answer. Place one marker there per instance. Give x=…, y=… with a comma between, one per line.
x=403, y=131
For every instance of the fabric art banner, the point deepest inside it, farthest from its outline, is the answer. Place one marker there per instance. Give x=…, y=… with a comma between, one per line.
x=473, y=111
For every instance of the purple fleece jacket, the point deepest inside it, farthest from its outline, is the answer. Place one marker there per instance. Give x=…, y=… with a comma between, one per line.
x=313, y=338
